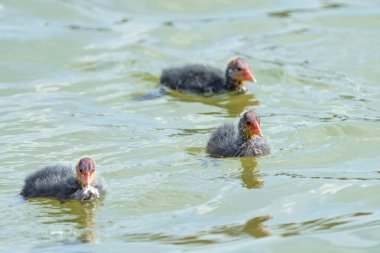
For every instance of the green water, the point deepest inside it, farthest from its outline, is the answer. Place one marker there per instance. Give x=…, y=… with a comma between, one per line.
x=69, y=71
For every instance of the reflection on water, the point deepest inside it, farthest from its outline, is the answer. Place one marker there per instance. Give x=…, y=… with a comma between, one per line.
x=250, y=175
x=84, y=28
x=233, y=103
x=288, y=13
x=255, y=228
x=322, y=224
x=78, y=215
x=371, y=177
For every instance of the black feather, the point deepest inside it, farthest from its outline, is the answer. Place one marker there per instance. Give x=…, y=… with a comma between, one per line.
x=227, y=141
x=195, y=78
x=57, y=181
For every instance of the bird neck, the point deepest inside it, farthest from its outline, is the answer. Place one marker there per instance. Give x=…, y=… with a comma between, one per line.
x=231, y=83
x=244, y=136
x=79, y=185
x=82, y=186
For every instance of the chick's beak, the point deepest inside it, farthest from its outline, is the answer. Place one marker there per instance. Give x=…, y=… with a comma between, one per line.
x=259, y=133
x=85, y=179
x=256, y=129
x=248, y=76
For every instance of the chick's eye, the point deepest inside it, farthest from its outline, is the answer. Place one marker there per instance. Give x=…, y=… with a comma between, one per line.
x=239, y=68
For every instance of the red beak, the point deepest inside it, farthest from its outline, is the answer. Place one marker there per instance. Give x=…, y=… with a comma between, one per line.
x=256, y=129
x=85, y=177
x=248, y=76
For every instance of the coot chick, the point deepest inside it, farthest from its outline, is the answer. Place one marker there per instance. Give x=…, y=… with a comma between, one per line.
x=60, y=181
x=244, y=140
x=205, y=79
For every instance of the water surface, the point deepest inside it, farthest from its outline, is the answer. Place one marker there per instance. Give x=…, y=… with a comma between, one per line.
x=69, y=73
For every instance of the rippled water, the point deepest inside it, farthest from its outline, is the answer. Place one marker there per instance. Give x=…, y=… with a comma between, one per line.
x=69, y=73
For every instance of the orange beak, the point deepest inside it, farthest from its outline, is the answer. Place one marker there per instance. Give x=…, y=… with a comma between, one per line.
x=248, y=76
x=258, y=132
x=86, y=178
x=255, y=129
